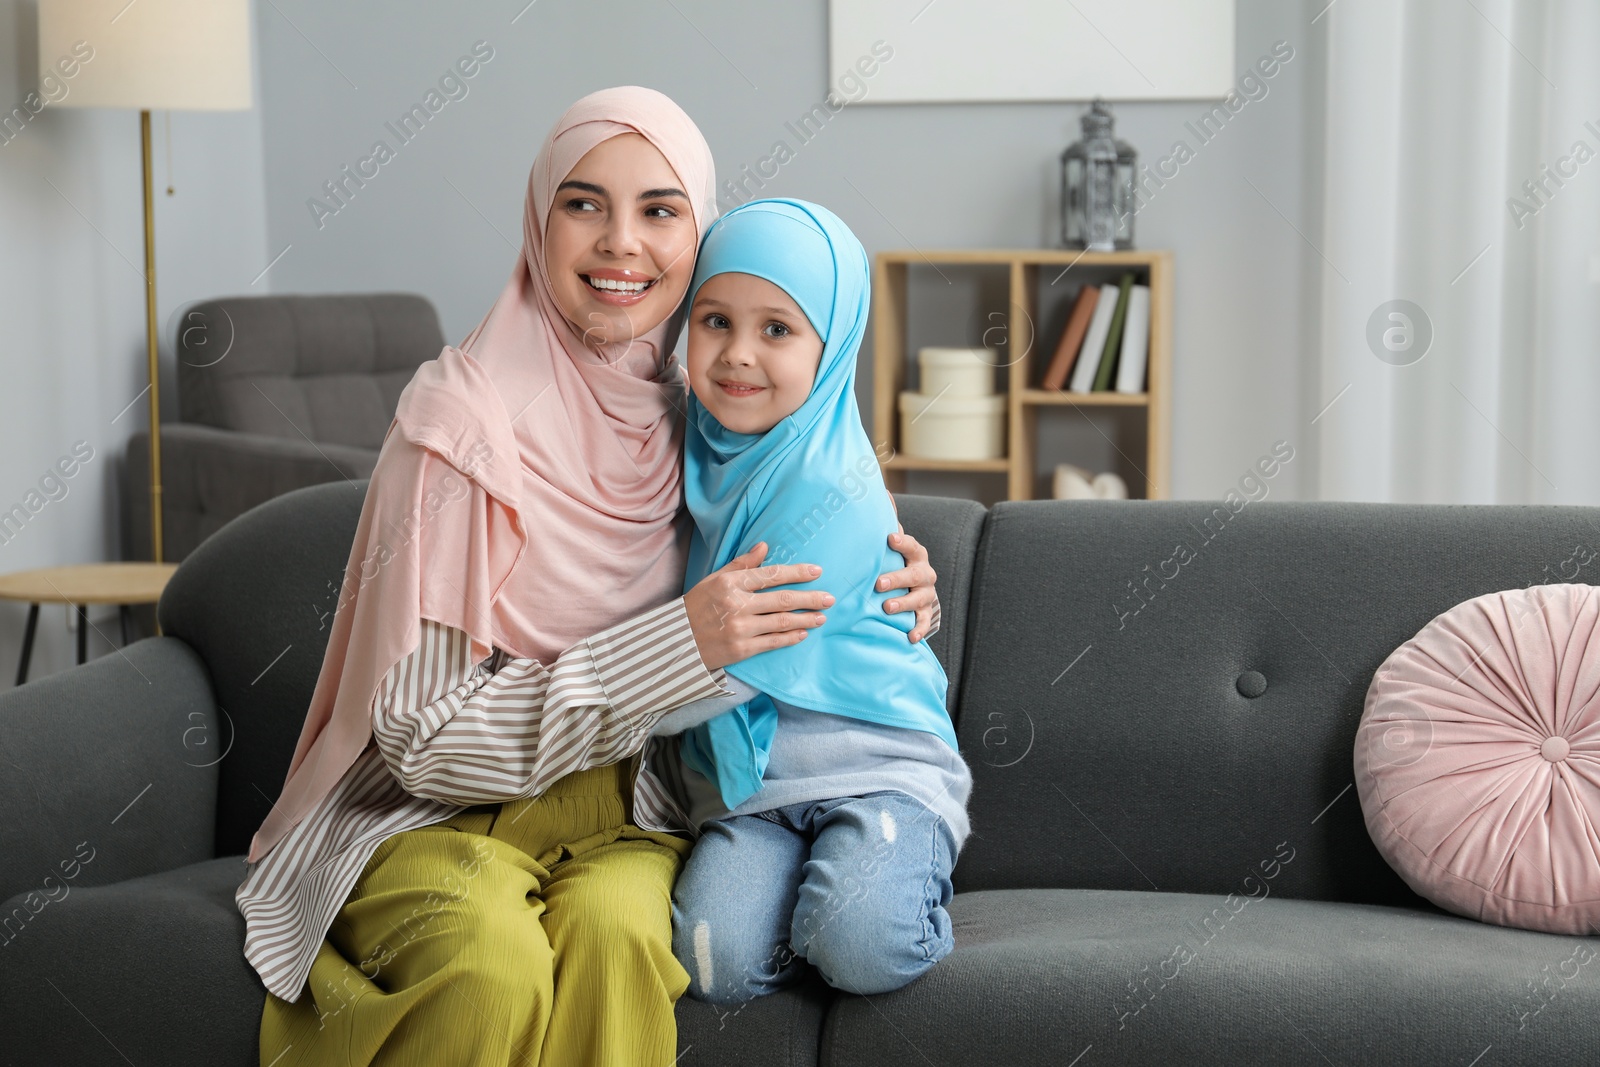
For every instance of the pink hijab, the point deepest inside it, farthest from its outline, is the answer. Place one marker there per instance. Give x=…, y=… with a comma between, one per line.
x=523, y=437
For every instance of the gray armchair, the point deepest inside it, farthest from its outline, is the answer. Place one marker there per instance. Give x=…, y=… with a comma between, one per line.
x=275, y=393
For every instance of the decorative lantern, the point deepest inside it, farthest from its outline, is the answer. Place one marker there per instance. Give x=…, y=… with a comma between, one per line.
x=1097, y=176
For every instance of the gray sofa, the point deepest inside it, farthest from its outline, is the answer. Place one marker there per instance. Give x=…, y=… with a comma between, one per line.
x=1168, y=862
x=274, y=393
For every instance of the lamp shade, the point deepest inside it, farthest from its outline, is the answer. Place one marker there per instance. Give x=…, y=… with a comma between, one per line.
x=161, y=55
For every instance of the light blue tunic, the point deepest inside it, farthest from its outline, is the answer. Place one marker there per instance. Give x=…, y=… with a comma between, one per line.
x=816, y=756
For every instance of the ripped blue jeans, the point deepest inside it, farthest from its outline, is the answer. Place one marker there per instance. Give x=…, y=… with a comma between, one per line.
x=855, y=886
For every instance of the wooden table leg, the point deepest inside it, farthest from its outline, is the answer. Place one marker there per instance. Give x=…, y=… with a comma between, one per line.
x=83, y=634
x=27, y=642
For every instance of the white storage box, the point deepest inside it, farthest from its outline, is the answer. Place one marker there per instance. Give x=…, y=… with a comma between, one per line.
x=957, y=371
x=952, y=427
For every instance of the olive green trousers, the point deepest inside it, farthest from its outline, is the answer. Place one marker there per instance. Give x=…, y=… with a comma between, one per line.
x=533, y=932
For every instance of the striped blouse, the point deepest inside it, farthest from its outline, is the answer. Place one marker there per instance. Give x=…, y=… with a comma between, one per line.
x=448, y=733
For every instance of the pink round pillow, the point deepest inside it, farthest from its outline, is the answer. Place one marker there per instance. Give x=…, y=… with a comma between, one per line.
x=1478, y=759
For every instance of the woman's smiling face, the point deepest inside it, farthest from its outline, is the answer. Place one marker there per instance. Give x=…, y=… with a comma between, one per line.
x=619, y=243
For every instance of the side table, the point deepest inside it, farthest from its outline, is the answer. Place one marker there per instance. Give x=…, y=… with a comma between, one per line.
x=122, y=584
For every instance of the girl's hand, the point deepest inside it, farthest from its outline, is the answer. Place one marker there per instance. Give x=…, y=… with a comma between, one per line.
x=917, y=578
x=732, y=620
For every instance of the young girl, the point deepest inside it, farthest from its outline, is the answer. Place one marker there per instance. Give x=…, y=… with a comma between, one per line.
x=831, y=798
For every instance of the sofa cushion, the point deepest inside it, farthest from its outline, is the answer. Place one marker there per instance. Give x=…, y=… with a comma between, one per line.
x=781, y=1030
x=1478, y=759
x=1097, y=978
x=150, y=970
x=1164, y=719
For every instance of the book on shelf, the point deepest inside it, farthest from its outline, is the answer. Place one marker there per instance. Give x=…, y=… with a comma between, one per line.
x=1094, y=341
x=1113, y=346
x=1135, y=355
x=1072, y=338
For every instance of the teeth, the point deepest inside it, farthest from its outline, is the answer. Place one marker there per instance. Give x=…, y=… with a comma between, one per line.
x=614, y=285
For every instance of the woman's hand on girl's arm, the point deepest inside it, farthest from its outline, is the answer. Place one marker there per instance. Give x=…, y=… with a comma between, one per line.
x=733, y=620
x=917, y=578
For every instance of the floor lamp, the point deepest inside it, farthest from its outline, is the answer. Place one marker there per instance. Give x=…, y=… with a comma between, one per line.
x=154, y=55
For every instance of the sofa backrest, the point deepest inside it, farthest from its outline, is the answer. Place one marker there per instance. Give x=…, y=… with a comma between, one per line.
x=329, y=366
x=1112, y=648
x=256, y=599
x=950, y=530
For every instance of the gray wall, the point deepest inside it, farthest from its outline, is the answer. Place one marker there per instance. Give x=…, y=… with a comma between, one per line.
x=443, y=217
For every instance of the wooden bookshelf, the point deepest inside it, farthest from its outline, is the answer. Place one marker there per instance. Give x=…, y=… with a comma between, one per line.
x=1024, y=399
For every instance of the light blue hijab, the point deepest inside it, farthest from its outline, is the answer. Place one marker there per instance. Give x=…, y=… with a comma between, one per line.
x=810, y=487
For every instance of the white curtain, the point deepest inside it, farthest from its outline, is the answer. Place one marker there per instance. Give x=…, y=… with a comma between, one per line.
x=1437, y=113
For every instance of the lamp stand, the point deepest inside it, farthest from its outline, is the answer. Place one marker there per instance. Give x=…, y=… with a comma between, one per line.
x=151, y=345
x=151, y=340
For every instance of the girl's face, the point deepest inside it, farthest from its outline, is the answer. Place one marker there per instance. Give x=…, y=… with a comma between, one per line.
x=753, y=354
x=619, y=244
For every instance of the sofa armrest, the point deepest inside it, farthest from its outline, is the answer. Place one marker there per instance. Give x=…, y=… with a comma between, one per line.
x=211, y=477
x=109, y=770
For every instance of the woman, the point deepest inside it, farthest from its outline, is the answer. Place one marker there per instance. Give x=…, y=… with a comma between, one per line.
x=474, y=829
